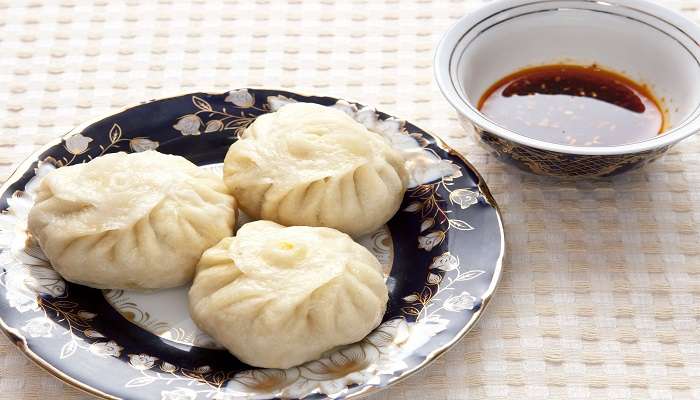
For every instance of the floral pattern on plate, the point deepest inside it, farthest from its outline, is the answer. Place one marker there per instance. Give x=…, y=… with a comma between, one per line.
x=446, y=249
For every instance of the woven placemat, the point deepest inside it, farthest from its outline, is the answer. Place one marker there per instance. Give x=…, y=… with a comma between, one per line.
x=601, y=293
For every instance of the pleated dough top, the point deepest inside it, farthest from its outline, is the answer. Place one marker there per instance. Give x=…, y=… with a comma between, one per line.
x=130, y=221
x=279, y=296
x=312, y=165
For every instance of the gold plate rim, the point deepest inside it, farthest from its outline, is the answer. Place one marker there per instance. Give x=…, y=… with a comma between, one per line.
x=20, y=342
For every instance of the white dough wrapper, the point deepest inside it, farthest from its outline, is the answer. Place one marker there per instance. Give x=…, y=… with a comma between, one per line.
x=130, y=221
x=311, y=165
x=277, y=296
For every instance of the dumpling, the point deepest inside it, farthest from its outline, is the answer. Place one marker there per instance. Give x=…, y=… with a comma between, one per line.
x=307, y=164
x=130, y=221
x=279, y=296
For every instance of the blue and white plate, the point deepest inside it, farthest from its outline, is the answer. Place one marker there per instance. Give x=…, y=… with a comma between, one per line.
x=441, y=252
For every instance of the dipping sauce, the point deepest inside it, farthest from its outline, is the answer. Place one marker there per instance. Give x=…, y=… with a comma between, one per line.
x=574, y=105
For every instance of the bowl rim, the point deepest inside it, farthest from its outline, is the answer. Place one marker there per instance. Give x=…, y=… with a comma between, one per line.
x=452, y=37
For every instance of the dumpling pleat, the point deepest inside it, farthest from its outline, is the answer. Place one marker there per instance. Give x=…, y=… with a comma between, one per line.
x=257, y=193
x=122, y=221
x=298, y=291
x=331, y=206
x=303, y=146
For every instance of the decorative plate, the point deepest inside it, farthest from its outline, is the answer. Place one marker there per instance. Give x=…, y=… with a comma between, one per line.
x=442, y=256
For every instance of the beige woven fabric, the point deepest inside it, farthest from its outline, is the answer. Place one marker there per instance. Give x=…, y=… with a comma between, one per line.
x=601, y=292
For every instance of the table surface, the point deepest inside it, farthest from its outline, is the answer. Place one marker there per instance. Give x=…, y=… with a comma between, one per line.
x=600, y=297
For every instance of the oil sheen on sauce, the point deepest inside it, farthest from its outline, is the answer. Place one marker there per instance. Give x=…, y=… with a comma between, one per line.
x=574, y=105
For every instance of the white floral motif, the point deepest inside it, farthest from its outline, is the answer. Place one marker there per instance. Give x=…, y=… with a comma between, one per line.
x=277, y=102
x=391, y=340
x=426, y=167
x=420, y=332
x=86, y=315
x=347, y=360
x=391, y=332
x=456, y=171
x=188, y=125
x=77, y=144
x=350, y=365
x=445, y=262
x=180, y=393
x=262, y=383
x=27, y=272
x=142, y=144
x=433, y=279
x=106, y=349
x=430, y=240
x=142, y=361
x=461, y=302
x=24, y=283
x=241, y=97
x=464, y=197
x=167, y=367
x=38, y=327
x=411, y=298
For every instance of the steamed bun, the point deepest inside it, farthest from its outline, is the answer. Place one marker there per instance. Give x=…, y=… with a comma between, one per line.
x=130, y=221
x=276, y=297
x=312, y=165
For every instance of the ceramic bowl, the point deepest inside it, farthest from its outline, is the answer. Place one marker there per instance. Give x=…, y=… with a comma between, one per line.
x=644, y=41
